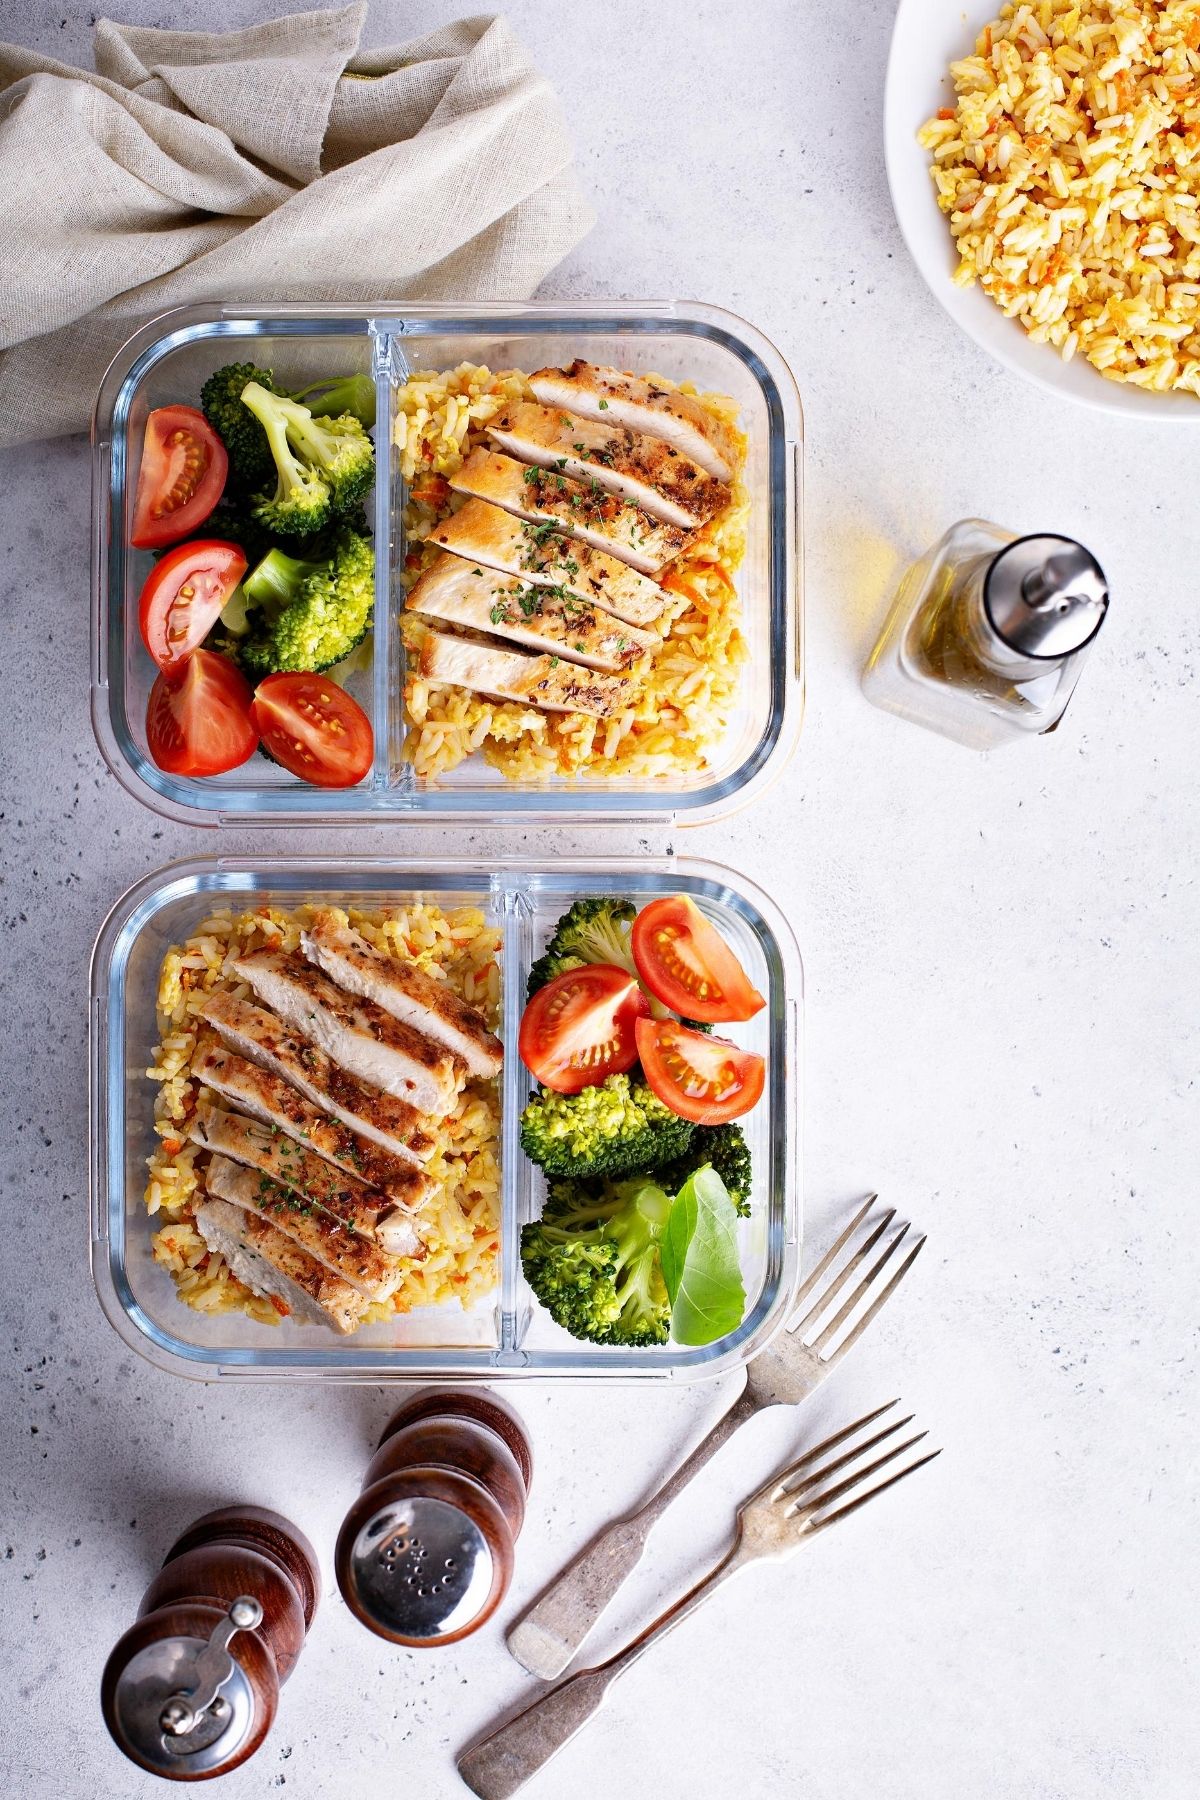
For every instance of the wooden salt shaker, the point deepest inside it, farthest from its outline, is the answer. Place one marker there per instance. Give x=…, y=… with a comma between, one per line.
x=191, y=1689
x=425, y=1554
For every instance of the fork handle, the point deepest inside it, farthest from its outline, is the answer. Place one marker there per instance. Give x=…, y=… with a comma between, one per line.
x=497, y=1765
x=545, y=1638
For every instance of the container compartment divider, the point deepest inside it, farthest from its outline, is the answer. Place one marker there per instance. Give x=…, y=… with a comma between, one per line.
x=516, y=911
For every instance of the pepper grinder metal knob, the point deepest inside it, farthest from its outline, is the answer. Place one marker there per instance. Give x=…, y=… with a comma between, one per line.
x=191, y=1689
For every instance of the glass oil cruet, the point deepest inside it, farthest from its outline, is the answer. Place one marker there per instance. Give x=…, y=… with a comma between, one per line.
x=988, y=634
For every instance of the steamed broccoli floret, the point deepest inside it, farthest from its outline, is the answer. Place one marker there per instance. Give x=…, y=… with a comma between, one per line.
x=726, y=1149
x=614, y=1128
x=591, y=931
x=592, y=1260
x=547, y=966
x=232, y=521
x=350, y=394
x=314, y=610
x=323, y=467
x=250, y=464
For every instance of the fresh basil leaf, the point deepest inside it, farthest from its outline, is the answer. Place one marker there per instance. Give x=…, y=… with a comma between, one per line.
x=700, y=1261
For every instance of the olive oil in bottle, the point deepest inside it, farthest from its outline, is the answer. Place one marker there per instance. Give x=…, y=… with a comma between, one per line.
x=988, y=634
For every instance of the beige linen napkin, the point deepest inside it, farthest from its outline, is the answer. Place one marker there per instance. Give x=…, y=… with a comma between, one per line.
x=276, y=163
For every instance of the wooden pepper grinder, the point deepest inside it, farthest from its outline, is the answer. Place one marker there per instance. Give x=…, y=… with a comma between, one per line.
x=425, y=1554
x=191, y=1689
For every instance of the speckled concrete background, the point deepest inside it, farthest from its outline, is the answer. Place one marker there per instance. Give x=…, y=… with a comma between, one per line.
x=1002, y=1036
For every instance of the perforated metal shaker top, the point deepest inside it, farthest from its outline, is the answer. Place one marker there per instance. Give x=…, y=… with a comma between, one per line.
x=1045, y=596
x=421, y=1568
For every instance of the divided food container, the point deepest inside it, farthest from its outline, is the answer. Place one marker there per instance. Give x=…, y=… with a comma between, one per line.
x=512, y=1336
x=169, y=360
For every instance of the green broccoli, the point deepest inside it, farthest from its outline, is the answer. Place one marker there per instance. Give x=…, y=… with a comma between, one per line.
x=591, y=931
x=250, y=463
x=726, y=1149
x=614, y=1128
x=349, y=394
x=314, y=610
x=323, y=467
x=592, y=1260
x=231, y=521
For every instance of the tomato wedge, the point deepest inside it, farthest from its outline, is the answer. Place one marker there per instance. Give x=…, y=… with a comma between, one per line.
x=183, y=471
x=314, y=728
x=184, y=596
x=579, y=1028
x=705, y=1079
x=686, y=963
x=198, y=720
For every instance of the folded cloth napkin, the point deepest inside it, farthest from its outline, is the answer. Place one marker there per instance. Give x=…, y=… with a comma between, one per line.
x=277, y=163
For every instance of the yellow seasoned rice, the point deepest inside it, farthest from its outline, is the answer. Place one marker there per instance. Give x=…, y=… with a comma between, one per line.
x=1070, y=169
x=461, y=1223
x=683, y=697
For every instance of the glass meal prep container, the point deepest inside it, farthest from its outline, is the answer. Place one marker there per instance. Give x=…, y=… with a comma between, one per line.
x=169, y=360
x=509, y=1335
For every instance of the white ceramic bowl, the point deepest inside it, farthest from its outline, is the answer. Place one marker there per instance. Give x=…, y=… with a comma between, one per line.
x=927, y=37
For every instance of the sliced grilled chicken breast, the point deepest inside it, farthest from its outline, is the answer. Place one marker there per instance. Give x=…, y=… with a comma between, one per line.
x=584, y=508
x=258, y=1035
x=409, y=994
x=356, y=1033
x=327, y=1240
x=540, y=618
x=490, y=538
x=278, y=1104
x=269, y=1263
x=646, y=470
x=360, y=1208
x=595, y=392
x=546, y=681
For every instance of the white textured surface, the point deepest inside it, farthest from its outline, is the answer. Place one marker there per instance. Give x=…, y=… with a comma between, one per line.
x=1001, y=1031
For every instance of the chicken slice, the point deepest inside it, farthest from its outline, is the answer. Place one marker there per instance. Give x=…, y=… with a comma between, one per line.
x=540, y=618
x=258, y=1035
x=618, y=399
x=357, y=1034
x=358, y=1207
x=277, y=1103
x=267, y=1262
x=490, y=538
x=409, y=994
x=584, y=508
x=646, y=470
x=327, y=1240
x=546, y=681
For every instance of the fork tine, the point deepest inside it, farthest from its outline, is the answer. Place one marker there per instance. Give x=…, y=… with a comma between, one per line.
x=857, y=1329
x=831, y=1443
x=807, y=1508
x=839, y=1318
x=810, y=1281
x=843, y=1512
x=834, y=1287
x=785, y=1487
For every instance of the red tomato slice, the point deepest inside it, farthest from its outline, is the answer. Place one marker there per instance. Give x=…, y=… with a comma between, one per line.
x=314, y=728
x=184, y=595
x=182, y=474
x=579, y=1028
x=686, y=963
x=198, y=720
x=702, y=1078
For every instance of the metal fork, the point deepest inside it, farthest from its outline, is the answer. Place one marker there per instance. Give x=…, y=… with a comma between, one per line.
x=788, y=1510
x=545, y=1638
